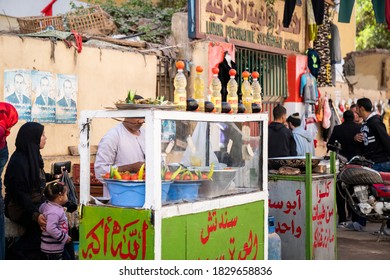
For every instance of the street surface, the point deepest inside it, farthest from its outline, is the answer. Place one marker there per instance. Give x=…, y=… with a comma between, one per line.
x=353, y=245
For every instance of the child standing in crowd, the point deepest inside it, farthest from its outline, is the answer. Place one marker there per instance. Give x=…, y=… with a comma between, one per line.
x=55, y=236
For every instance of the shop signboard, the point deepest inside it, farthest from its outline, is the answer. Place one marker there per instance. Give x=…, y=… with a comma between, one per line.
x=232, y=233
x=252, y=24
x=304, y=217
x=113, y=233
x=323, y=219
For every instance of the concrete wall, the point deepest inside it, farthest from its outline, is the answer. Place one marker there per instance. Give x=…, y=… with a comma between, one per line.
x=347, y=33
x=369, y=70
x=104, y=76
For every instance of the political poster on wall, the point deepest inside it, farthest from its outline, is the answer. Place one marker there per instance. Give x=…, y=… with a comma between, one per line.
x=17, y=91
x=42, y=96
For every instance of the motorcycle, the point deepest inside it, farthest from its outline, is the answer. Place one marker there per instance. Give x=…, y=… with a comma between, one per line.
x=366, y=190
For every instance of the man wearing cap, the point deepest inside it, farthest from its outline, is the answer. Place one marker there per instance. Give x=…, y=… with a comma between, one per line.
x=303, y=139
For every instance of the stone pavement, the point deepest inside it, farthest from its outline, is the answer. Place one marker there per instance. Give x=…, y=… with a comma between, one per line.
x=353, y=245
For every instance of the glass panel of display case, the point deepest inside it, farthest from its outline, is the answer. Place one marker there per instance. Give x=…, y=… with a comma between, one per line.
x=231, y=149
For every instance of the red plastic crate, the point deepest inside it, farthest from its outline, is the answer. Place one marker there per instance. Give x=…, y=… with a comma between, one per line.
x=76, y=175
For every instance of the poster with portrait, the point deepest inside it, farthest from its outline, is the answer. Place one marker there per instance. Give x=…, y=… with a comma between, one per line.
x=17, y=91
x=66, y=107
x=43, y=97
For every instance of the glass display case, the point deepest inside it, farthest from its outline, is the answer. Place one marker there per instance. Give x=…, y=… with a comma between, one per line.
x=198, y=165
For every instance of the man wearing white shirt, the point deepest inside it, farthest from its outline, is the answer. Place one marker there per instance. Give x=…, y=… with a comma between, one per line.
x=122, y=146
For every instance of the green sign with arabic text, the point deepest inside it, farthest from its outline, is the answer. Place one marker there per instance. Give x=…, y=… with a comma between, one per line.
x=232, y=233
x=112, y=233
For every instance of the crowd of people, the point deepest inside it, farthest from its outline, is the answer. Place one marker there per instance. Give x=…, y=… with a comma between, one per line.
x=287, y=135
x=362, y=132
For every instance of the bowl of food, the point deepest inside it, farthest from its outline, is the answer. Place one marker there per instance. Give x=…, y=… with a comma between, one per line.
x=296, y=162
x=221, y=183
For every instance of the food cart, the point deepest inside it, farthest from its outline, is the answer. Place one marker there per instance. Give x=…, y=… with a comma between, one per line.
x=226, y=223
x=304, y=207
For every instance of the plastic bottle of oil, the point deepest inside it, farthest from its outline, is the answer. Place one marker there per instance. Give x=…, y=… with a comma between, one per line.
x=216, y=87
x=199, y=89
x=256, y=89
x=246, y=91
x=232, y=87
x=180, y=83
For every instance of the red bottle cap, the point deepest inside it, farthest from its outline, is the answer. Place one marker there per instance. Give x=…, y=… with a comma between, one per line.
x=180, y=65
x=215, y=71
x=245, y=74
x=199, y=69
x=255, y=75
x=232, y=72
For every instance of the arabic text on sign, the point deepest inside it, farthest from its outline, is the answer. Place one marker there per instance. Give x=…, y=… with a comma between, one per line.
x=109, y=237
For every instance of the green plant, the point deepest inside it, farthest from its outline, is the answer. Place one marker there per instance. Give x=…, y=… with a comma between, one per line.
x=140, y=17
x=369, y=33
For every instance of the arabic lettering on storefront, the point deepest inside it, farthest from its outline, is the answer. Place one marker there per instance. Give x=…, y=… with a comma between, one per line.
x=323, y=214
x=220, y=221
x=291, y=209
x=109, y=237
x=250, y=22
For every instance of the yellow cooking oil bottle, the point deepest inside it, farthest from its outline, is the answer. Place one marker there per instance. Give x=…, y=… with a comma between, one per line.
x=216, y=87
x=246, y=91
x=180, y=83
x=256, y=90
x=199, y=89
x=232, y=87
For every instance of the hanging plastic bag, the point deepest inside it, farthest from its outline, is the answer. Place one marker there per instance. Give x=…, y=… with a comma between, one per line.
x=72, y=195
x=199, y=141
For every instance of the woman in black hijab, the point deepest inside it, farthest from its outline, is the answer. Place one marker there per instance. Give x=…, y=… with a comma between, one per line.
x=24, y=181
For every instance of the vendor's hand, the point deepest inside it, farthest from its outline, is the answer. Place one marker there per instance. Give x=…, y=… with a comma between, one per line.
x=42, y=222
x=69, y=239
x=358, y=137
x=134, y=167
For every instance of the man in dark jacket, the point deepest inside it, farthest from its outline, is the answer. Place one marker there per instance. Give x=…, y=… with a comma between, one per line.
x=373, y=136
x=344, y=134
x=375, y=142
x=281, y=142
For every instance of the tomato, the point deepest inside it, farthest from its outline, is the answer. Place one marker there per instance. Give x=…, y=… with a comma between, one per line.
x=187, y=177
x=133, y=176
x=204, y=176
x=168, y=176
x=177, y=177
x=126, y=176
x=143, y=177
x=107, y=175
x=195, y=177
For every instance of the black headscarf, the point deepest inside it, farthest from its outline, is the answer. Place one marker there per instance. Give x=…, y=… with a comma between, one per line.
x=26, y=164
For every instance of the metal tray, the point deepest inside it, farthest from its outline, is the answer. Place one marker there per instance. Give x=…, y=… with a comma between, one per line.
x=188, y=181
x=123, y=106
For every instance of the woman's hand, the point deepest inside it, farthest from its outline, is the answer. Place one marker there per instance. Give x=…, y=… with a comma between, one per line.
x=42, y=222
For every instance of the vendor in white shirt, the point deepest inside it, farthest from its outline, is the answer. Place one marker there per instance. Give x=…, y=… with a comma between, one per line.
x=122, y=146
